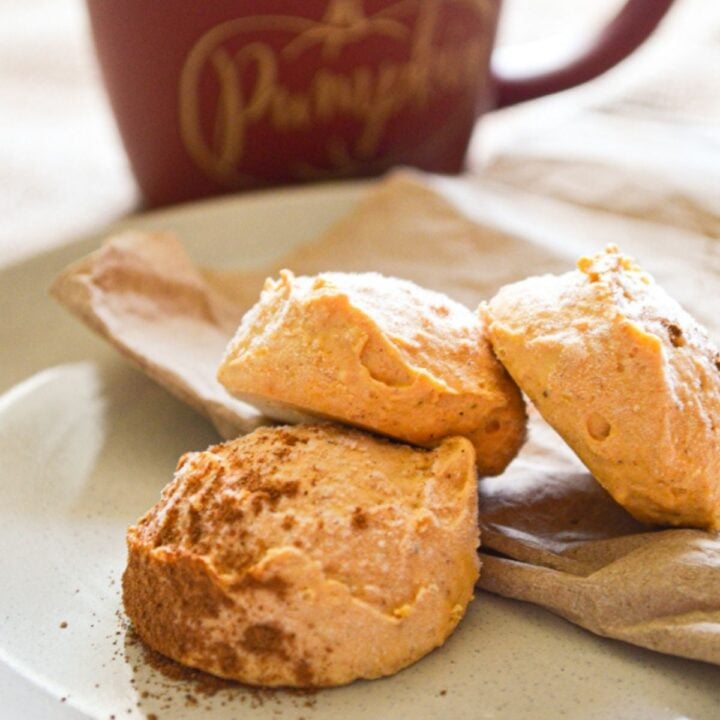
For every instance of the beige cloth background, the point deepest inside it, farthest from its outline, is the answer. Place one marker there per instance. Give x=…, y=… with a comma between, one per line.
x=63, y=173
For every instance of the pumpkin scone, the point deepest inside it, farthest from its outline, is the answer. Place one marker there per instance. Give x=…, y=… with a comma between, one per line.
x=379, y=353
x=626, y=376
x=306, y=556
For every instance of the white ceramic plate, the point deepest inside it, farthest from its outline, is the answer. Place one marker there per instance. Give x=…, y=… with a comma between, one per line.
x=86, y=444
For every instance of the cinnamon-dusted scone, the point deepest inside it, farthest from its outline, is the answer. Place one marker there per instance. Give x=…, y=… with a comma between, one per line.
x=626, y=376
x=379, y=353
x=306, y=556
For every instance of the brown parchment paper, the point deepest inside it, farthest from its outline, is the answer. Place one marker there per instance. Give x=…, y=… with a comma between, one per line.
x=550, y=534
x=142, y=293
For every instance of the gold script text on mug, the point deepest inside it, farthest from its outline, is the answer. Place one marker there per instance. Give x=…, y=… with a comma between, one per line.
x=370, y=95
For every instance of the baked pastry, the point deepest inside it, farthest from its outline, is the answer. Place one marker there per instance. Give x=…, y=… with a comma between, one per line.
x=306, y=556
x=379, y=353
x=626, y=376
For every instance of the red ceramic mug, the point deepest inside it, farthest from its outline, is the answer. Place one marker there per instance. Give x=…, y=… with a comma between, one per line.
x=215, y=96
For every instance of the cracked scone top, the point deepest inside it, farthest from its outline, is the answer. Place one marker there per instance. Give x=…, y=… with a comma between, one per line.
x=306, y=556
x=626, y=376
x=379, y=353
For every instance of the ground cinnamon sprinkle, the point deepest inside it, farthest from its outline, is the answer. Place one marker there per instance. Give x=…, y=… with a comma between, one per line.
x=304, y=673
x=198, y=687
x=265, y=639
x=200, y=682
x=359, y=519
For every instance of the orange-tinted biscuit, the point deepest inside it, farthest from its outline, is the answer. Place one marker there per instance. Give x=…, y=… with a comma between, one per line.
x=626, y=376
x=379, y=353
x=306, y=556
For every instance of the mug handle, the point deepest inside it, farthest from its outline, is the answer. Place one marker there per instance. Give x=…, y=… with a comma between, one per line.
x=625, y=32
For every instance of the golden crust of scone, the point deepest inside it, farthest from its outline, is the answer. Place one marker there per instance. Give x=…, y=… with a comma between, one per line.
x=626, y=376
x=379, y=353
x=306, y=556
